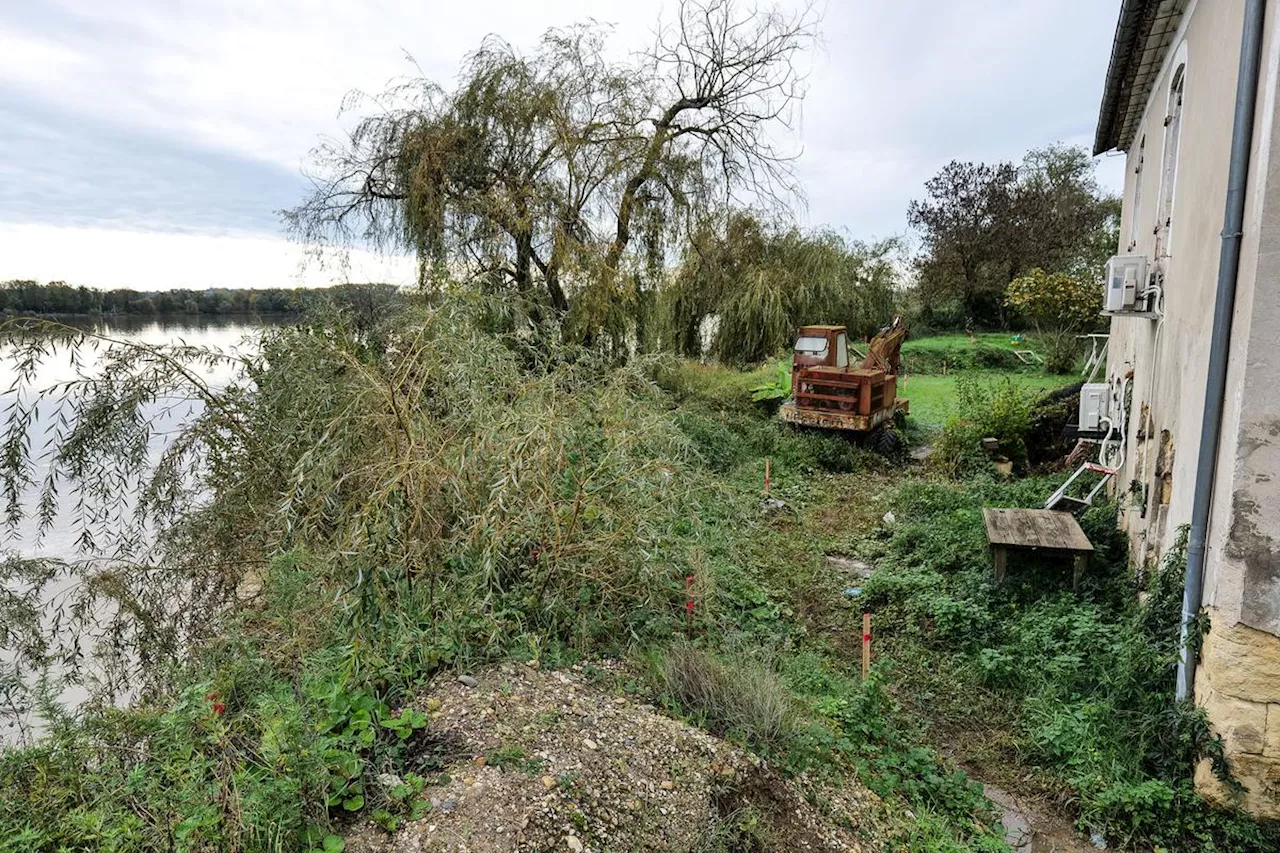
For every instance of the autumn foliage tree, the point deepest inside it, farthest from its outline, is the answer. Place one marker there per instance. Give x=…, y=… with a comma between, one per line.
x=561, y=176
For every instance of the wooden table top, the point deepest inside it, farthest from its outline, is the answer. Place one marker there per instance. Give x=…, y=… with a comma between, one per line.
x=1046, y=529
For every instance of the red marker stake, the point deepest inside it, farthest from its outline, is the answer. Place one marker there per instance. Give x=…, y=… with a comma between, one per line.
x=866, y=645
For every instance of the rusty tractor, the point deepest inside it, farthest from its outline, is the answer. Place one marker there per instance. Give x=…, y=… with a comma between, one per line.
x=827, y=392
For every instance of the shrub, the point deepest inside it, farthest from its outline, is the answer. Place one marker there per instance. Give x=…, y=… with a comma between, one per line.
x=1057, y=301
x=1000, y=409
x=1061, y=351
x=441, y=498
x=730, y=695
x=717, y=387
x=260, y=750
x=1088, y=678
x=1058, y=304
x=958, y=353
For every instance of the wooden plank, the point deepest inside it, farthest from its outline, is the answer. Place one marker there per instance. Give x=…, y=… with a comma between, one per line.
x=830, y=377
x=848, y=398
x=1036, y=529
x=864, y=393
x=860, y=373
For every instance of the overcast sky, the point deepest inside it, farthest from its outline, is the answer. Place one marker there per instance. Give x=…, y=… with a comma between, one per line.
x=149, y=143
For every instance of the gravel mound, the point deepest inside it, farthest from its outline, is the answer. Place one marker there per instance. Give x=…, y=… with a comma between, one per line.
x=562, y=760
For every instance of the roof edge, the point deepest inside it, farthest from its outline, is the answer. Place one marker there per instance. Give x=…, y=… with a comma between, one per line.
x=1132, y=29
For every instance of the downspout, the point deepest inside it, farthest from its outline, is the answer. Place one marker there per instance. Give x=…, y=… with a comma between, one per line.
x=1220, y=344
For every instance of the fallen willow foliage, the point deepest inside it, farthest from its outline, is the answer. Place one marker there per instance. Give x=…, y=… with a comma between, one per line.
x=442, y=483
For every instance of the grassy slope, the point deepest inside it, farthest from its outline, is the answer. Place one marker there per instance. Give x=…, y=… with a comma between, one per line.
x=950, y=343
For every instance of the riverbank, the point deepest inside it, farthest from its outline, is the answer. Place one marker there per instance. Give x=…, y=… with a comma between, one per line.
x=423, y=499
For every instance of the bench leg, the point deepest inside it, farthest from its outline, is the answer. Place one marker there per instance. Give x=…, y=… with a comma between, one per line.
x=1081, y=563
x=998, y=555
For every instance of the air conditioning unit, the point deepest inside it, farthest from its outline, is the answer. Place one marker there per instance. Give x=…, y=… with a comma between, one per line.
x=1126, y=279
x=1094, y=406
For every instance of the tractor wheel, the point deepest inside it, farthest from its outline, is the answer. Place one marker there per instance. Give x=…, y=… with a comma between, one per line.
x=888, y=442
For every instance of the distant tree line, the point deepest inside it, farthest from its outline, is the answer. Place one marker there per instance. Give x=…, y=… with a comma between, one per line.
x=57, y=297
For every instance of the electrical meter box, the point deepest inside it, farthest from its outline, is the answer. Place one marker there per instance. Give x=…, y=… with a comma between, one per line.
x=1094, y=398
x=1126, y=279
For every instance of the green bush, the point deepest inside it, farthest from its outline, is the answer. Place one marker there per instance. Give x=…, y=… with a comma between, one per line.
x=442, y=500
x=958, y=353
x=715, y=386
x=1062, y=351
x=734, y=696
x=1000, y=410
x=259, y=751
x=726, y=440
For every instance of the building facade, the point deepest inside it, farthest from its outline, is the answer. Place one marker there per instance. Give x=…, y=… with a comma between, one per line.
x=1169, y=109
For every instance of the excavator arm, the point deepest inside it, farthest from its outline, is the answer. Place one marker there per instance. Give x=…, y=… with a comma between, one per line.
x=884, y=351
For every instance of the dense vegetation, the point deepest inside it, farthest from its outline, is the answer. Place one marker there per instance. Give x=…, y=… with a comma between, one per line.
x=982, y=225
x=364, y=506
x=1078, y=689
x=524, y=459
x=357, y=510
x=757, y=282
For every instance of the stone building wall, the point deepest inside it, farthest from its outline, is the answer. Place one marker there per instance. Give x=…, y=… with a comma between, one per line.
x=1165, y=366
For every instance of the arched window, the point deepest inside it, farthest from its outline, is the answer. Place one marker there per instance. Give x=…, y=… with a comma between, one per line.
x=1169, y=165
x=1135, y=213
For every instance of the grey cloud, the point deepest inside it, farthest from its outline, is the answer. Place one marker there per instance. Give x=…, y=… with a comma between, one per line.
x=897, y=90
x=66, y=169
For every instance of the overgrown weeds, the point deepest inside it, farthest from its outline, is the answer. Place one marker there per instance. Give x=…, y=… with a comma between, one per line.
x=1085, y=680
x=736, y=697
x=440, y=500
x=1000, y=410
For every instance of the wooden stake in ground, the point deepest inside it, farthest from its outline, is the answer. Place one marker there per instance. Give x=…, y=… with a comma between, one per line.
x=866, y=645
x=768, y=469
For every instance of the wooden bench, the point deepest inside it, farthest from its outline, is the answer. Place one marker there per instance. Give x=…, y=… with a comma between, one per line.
x=1042, y=531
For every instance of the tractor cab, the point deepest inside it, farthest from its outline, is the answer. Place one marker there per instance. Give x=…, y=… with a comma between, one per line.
x=819, y=346
x=822, y=345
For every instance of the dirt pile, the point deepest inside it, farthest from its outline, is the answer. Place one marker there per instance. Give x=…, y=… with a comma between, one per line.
x=559, y=760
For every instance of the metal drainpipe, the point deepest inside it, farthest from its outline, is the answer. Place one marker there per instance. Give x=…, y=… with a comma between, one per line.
x=1224, y=307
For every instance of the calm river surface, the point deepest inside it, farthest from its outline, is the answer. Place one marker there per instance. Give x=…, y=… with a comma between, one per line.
x=232, y=334
x=60, y=539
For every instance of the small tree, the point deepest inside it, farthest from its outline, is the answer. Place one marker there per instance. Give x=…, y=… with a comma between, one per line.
x=1058, y=305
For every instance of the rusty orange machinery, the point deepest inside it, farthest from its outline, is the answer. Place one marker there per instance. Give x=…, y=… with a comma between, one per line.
x=829, y=393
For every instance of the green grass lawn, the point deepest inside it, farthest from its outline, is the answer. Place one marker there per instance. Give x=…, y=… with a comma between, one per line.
x=943, y=343
x=933, y=396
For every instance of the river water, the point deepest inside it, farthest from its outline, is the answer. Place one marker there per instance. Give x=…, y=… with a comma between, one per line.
x=231, y=334
x=62, y=538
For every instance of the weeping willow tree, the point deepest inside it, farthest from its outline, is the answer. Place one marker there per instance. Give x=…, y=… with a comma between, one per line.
x=758, y=279
x=560, y=176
